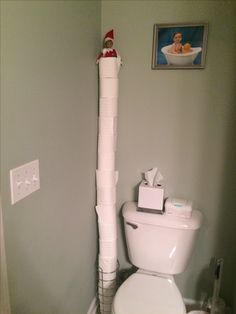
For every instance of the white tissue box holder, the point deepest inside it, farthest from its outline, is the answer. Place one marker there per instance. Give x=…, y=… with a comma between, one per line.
x=151, y=197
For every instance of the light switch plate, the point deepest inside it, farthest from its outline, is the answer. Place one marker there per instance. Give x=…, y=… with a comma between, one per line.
x=24, y=180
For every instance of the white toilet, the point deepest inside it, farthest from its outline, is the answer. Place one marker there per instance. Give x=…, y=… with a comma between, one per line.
x=160, y=246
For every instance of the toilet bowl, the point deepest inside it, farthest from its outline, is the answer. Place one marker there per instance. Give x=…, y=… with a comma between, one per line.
x=148, y=294
x=160, y=246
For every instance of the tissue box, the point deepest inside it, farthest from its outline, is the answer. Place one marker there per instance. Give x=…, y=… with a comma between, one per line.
x=151, y=197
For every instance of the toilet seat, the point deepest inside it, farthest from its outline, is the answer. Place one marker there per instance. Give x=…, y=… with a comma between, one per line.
x=148, y=294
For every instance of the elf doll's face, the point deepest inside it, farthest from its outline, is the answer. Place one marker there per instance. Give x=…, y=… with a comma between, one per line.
x=108, y=44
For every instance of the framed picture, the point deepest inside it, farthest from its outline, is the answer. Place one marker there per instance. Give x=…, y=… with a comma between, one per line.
x=179, y=46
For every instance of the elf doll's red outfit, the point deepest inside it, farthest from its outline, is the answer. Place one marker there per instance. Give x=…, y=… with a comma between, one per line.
x=108, y=51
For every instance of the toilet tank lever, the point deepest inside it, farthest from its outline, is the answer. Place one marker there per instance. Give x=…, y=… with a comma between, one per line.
x=134, y=226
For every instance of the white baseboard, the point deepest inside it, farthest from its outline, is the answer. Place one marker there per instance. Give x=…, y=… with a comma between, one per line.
x=93, y=306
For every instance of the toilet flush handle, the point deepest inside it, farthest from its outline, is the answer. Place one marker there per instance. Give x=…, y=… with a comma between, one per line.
x=134, y=226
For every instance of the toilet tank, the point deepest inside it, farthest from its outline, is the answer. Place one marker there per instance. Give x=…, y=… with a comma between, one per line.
x=159, y=243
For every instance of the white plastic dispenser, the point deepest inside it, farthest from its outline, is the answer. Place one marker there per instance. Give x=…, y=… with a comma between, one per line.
x=178, y=207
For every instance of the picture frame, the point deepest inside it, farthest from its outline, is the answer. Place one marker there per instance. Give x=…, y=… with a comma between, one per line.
x=179, y=46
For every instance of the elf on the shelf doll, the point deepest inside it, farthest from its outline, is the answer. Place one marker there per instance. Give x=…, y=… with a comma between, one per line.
x=108, y=51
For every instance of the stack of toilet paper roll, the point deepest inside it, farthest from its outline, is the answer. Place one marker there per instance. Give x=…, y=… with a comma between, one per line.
x=106, y=180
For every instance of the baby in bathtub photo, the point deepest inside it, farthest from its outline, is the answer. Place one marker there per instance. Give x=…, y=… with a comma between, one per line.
x=177, y=46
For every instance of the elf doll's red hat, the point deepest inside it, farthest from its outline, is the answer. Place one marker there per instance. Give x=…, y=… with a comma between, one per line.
x=109, y=36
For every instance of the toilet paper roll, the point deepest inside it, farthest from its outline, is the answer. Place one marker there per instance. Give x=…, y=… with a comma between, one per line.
x=107, y=125
x=108, y=278
x=108, y=248
x=106, y=290
x=106, y=144
x=106, y=214
x=108, y=264
x=107, y=232
x=108, y=281
x=106, y=161
x=106, y=196
x=108, y=107
x=105, y=303
x=109, y=67
x=106, y=178
x=105, y=308
x=109, y=87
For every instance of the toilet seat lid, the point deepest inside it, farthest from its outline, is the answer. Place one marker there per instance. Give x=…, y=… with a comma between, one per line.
x=147, y=294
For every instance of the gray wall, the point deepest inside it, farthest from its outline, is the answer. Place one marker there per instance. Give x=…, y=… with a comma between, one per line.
x=49, y=112
x=182, y=122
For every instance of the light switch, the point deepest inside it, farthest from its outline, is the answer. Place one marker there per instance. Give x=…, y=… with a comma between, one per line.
x=24, y=180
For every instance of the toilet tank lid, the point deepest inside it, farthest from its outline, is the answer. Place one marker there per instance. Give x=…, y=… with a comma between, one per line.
x=131, y=213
